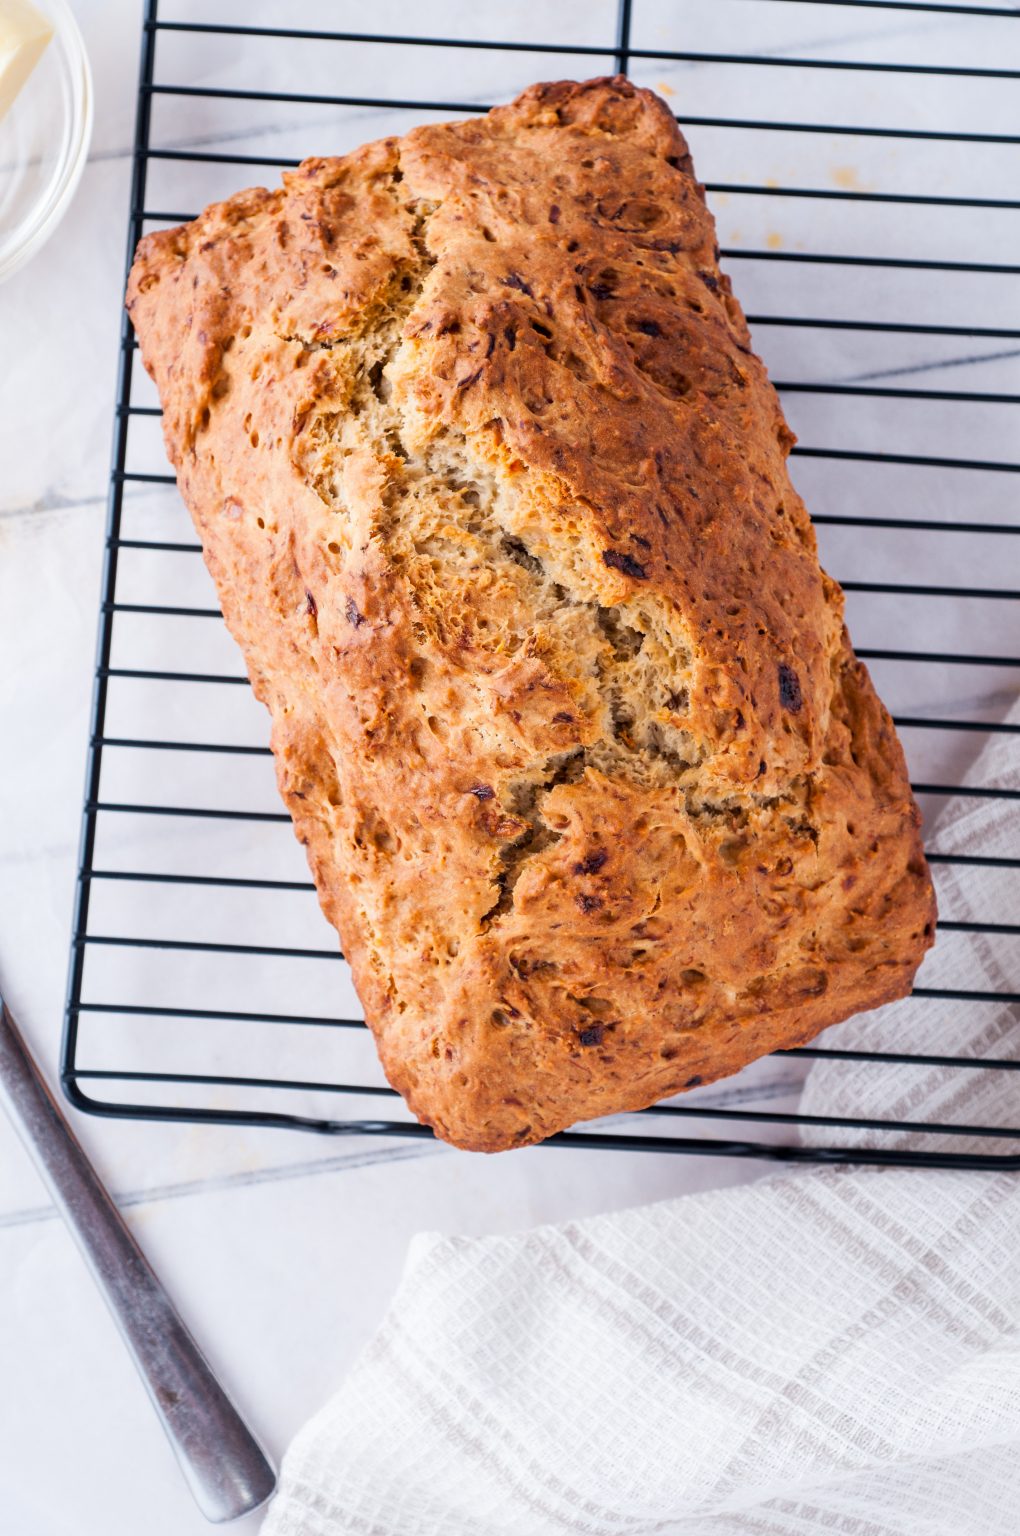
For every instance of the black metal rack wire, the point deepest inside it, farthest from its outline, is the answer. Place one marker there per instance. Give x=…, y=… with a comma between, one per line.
x=126, y=984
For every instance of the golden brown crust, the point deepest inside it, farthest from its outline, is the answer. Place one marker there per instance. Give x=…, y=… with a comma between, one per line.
x=495, y=494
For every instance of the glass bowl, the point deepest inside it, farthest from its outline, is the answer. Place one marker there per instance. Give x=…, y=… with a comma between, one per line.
x=44, y=139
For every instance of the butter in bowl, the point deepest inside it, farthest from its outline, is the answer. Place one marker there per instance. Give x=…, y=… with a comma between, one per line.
x=45, y=122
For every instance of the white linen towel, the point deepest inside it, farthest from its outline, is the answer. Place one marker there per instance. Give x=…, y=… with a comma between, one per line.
x=831, y=1350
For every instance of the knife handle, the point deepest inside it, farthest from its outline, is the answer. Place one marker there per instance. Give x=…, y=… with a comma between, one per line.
x=223, y=1464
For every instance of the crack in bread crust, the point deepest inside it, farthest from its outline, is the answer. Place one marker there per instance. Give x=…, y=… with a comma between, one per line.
x=495, y=494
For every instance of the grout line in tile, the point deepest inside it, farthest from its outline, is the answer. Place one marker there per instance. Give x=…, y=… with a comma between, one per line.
x=342, y=1163
x=949, y=362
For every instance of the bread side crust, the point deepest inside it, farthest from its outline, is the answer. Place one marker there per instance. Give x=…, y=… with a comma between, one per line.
x=494, y=492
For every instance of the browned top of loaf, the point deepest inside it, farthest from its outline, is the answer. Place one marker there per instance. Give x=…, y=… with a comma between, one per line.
x=495, y=494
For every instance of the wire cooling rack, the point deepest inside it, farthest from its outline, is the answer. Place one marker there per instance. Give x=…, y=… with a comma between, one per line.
x=204, y=984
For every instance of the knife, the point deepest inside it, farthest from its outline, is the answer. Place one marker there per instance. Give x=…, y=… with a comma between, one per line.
x=223, y=1464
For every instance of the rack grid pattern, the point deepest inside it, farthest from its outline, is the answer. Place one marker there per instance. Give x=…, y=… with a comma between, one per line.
x=936, y=738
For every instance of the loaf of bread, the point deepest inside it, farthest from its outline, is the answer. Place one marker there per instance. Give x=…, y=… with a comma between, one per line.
x=494, y=492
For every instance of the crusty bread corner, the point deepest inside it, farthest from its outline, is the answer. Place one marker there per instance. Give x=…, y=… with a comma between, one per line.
x=494, y=492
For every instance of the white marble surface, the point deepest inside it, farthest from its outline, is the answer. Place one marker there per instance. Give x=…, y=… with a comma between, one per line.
x=282, y=1249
